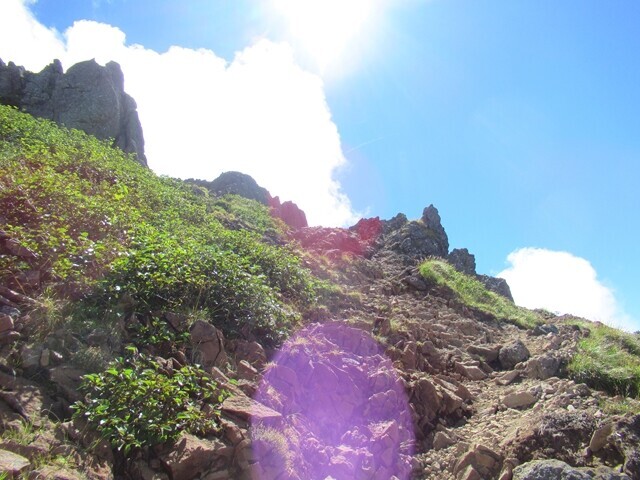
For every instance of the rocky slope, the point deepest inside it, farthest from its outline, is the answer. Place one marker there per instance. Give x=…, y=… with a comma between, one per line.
x=400, y=381
x=388, y=375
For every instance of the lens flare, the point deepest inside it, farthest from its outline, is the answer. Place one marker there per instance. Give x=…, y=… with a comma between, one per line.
x=345, y=414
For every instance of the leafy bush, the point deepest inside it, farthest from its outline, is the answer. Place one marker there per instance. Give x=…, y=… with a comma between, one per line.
x=239, y=212
x=608, y=359
x=136, y=403
x=474, y=294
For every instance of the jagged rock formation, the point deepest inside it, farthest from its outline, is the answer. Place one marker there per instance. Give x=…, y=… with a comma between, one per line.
x=87, y=97
x=417, y=239
x=462, y=260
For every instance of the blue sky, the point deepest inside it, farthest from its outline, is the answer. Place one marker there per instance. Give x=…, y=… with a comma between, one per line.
x=518, y=120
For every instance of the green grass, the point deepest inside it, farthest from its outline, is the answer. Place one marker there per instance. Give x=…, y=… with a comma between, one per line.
x=608, y=359
x=474, y=294
x=110, y=231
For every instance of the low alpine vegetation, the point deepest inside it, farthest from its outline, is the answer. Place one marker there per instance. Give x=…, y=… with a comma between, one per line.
x=474, y=294
x=136, y=402
x=607, y=359
x=101, y=228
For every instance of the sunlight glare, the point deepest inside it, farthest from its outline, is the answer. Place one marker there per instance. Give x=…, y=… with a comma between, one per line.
x=325, y=28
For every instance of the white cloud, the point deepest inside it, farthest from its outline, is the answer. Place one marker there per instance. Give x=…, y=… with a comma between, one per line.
x=563, y=283
x=260, y=113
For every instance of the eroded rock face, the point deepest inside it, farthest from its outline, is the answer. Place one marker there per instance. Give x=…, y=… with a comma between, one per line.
x=462, y=260
x=497, y=285
x=88, y=97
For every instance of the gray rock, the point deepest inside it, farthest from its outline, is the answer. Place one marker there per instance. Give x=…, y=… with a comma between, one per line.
x=557, y=470
x=462, y=260
x=543, y=367
x=497, y=285
x=417, y=239
x=431, y=218
x=235, y=183
x=394, y=223
x=442, y=440
x=512, y=354
x=519, y=400
x=88, y=97
x=545, y=329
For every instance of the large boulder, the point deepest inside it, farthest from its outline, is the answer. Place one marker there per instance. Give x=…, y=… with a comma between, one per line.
x=88, y=97
x=512, y=354
x=557, y=470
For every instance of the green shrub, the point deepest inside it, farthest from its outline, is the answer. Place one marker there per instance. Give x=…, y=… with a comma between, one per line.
x=608, y=359
x=474, y=294
x=136, y=403
x=127, y=239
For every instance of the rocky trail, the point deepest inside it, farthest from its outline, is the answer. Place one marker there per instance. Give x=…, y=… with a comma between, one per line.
x=397, y=380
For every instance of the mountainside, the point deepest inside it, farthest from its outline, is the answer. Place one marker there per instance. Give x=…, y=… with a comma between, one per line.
x=88, y=97
x=152, y=328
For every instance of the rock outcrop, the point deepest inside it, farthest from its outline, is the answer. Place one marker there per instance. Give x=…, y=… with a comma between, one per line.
x=414, y=240
x=235, y=183
x=88, y=97
x=288, y=212
x=497, y=285
x=462, y=260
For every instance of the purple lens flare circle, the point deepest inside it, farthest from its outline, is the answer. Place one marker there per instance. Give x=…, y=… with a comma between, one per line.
x=344, y=410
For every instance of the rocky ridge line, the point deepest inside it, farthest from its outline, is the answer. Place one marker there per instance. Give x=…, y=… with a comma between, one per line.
x=87, y=96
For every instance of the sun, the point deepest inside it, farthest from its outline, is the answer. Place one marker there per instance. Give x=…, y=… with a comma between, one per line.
x=327, y=30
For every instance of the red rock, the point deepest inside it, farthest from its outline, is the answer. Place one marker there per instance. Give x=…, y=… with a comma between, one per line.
x=368, y=229
x=288, y=212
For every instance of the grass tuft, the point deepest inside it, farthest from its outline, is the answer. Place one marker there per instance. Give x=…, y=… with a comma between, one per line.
x=607, y=359
x=474, y=294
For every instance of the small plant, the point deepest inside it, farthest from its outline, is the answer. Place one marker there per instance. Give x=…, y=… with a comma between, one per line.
x=278, y=445
x=156, y=332
x=620, y=406
x=23, y=435
x=474, y=294
x=607, y=359
x=136, y=403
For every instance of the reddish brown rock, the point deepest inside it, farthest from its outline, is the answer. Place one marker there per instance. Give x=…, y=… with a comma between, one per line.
x=208, y=344
x=246, y=408
x=12, y=463
x=190, y=456
x=288, y=212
